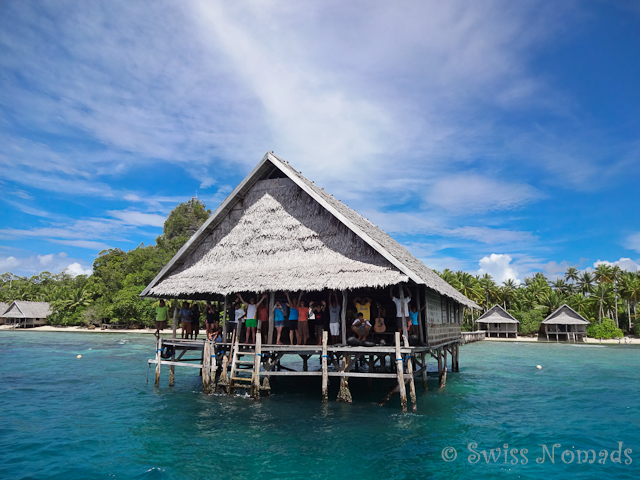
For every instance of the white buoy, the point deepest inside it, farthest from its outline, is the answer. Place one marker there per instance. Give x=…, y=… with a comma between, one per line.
x=79, y=356
x=539, y=367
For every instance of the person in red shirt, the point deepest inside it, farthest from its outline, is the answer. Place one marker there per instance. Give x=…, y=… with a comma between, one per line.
x=263, y=317
x=303, y=325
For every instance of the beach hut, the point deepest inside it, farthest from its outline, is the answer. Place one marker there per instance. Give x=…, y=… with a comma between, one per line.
x=498, y=322
x=3, y=308
x=279, y=232
x=27, y=314
x=565, y=324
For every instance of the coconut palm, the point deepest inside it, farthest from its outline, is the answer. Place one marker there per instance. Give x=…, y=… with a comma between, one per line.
x=586, y=282
x=571, y=275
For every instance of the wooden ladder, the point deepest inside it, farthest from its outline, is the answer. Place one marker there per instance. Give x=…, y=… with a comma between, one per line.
x=238, y=364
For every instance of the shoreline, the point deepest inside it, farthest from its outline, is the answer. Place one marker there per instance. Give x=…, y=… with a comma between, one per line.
x=590, y=341
x=167, y=333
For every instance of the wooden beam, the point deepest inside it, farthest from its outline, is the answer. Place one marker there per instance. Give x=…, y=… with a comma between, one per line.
x=325, y=378
x=420, y=316
x=343, y=318
x=400, y=375
x=224, y=320
x=272, y=302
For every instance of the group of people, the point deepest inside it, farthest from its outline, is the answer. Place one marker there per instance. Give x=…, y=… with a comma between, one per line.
x=294, y=313
x=190, y=320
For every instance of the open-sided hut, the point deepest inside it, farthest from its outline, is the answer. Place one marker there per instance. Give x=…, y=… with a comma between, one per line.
x=565, y=324
x=27, y=314
x=279, y=232
x=499, y=322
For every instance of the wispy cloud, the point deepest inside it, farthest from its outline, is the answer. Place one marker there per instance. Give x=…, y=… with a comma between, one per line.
x=132, y=217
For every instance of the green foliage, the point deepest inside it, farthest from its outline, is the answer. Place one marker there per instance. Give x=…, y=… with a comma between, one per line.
x=110, y=294
x=607, y=329
x=529, y=321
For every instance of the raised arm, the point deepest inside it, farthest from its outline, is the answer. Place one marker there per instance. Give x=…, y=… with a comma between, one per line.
x=241, y=299
x=262, y=299
x=391, y=292
x=299, y=298
x=356, y=301
x=367, y=300
x=288, y=299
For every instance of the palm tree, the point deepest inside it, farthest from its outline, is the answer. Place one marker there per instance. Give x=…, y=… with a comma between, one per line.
x=603, y=275
x=585, y=283
x=571, y=275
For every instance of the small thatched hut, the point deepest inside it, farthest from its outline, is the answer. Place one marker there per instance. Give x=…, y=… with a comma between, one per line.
x=27, y=314
x=498, y=321
x=278, y=231
x=566, y=324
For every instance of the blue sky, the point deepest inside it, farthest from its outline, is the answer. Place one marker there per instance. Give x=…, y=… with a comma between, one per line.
x=495, y=136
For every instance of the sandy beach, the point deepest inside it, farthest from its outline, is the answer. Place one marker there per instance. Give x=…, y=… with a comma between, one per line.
x=612, y=341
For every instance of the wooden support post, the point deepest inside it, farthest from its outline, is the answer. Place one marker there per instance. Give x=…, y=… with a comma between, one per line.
x=404, y=314
x=424, y=372
x=272, y=302
x=172, y=370
x=442, y=364
x=257, y=362
x=371, y=369
x=214, y=367
x=426, y=316
x=305, y=362
x=223, y=382
x=206, y=367
x=224, y=321
x=412, y=384
x=400, y=370
x=175, y=319
x=343, y=318
x=344, y=395
x=158, y=360
x=325, y=375
x=420, y=316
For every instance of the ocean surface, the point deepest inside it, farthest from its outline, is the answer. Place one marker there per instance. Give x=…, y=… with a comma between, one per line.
x=97, y=417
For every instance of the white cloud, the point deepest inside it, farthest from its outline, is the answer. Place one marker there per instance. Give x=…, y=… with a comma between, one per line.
x=88, y=244
x=131, y=217
x=633, y=242
x=8, y=263
x=499, y=267
x=471, y=193
x=624, y=263
x=76, y=269
x=45, y=260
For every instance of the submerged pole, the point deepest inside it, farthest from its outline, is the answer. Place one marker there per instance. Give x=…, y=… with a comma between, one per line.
x=158, y=361
x=325, y=374
x=400, y=371
x=224, y=321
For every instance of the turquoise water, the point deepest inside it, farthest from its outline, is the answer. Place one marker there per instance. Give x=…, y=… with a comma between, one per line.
x=97, y=418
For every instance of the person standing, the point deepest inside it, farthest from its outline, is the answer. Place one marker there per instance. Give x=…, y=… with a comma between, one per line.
x=334, y=318
x=251, y=321
x=322, y=323
x=363, y=306
x=303, y=324
x=238, y=315
x=185, y=320
x=195, y=320
x=263, y=317
x=162, y=317
x=400, y=307
x=211, y=319
x=278, y=314
x=293, y=316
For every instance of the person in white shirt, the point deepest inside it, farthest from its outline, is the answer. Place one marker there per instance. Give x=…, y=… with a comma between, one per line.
x=361, y=327
x=251, y=321
x=400, y=308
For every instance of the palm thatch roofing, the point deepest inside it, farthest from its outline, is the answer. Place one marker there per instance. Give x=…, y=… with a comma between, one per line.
x=3, y=308
x=278, y=231
x=565, y=315
x=496, y=314
x=24, y=309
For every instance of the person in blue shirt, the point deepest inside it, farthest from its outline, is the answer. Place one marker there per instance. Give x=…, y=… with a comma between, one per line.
x=185, y=319
x=278, y=314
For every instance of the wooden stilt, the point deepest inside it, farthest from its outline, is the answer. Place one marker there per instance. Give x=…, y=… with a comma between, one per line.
x=400, y=370
x=175, y=318
x=224, y=320
x=172, y=371
x=443, y=377
x=214, y=367
x=325, y=376
x=257, y=362
x=424, y=372
x=343, y=317
x=371, y=369
x=158, y=360
x=412, y=384
x=405, y=334
x=305, y=362
x=344, y=395
x=223, y=382
x=420, y=316
x=272, y=302
x=206, y=367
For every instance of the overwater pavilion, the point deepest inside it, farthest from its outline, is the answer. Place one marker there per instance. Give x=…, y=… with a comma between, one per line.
x=565, y=324
x=278, y=232
x=499, y=322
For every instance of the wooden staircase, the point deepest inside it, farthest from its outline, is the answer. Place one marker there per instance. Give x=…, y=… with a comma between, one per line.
x=241, y=365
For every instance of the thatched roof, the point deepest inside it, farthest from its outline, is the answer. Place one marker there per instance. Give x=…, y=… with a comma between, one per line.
x=279, y=231
x=565, y=315
x=3, y=308
x=496, y=314
x=23, y=309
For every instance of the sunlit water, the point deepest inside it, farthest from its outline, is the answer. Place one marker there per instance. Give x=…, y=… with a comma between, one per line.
x=96, y=417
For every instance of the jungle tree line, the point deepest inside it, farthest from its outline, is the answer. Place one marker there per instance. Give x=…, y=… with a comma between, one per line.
x=110, y=293
x=607, y=297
